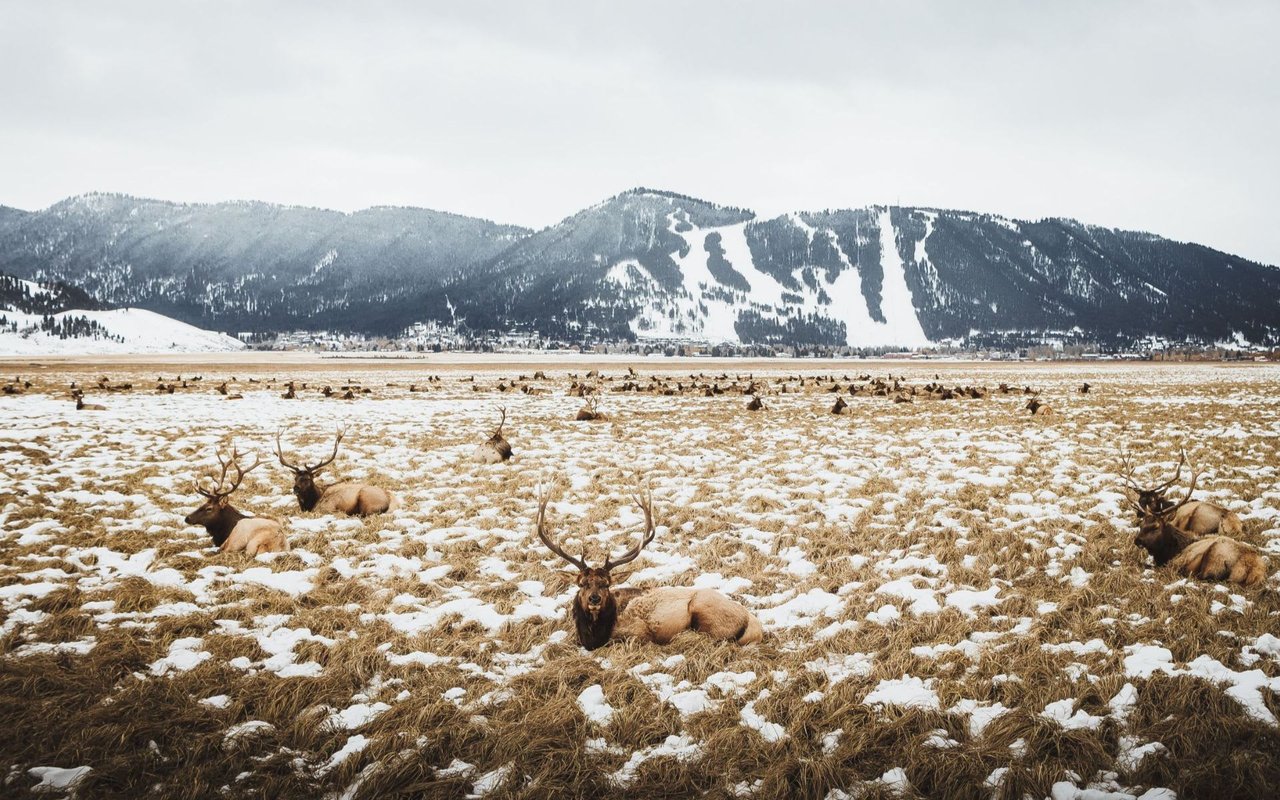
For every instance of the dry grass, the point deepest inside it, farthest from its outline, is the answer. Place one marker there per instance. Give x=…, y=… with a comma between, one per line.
x=443, y=621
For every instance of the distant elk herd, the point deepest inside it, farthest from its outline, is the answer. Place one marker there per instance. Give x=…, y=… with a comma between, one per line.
x=1191, y=537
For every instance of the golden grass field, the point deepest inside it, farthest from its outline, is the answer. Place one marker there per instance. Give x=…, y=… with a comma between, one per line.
x=952, y=601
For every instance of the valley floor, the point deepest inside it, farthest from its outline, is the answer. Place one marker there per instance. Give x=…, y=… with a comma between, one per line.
x=952, y=601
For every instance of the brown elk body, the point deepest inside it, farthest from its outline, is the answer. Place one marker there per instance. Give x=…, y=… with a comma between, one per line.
x=839, y=406
x=231, y=530
x=601, y=612
x=1210, y=558
x=351, y=498
x=496, y=448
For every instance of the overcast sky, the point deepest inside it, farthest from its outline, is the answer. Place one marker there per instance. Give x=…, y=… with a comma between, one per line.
x=1155, y=116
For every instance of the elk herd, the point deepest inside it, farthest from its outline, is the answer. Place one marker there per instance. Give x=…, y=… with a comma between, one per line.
x=1194, y=538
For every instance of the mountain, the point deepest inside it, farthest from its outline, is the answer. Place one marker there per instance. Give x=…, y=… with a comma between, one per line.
x=245, y=265
x=57, y=318
x=647, y=264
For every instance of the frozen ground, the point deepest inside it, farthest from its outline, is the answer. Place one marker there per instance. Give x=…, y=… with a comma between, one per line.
x=952, y=601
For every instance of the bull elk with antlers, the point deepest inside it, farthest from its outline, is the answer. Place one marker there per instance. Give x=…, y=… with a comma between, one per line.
x=231, y=530
x=353, y=499
x=1197, y=517
x=1210, y=558
x=81, y=405
x=590, y=411
x=1037, y=408
x=496, y=448
x=602, y=612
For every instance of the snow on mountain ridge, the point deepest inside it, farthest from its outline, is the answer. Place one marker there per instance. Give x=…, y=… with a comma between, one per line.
x=142, y=332
x=706, y=308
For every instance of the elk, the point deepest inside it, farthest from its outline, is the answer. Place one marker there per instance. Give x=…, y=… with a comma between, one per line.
x=756, y=404
x=81, y=405
x=1037, y=408
x=1084, y=388
x=1209, y=558
x=601, y=612
x=353, y=499
x=840, y=406
x=232, y=531
x=495, y=449
x=590, y=411
x=1197, y=517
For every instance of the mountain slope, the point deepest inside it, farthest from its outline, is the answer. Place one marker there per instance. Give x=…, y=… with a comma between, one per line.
x=656, y=264
x=646, y=264
x=57, y=318
x=250, y=266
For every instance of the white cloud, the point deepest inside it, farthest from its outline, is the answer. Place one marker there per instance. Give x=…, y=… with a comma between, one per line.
x=1153, y=117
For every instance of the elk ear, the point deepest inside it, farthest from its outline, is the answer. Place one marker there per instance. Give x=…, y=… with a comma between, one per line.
x=616, y=578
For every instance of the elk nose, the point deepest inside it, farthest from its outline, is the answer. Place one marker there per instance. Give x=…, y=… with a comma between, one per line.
x=594, y=598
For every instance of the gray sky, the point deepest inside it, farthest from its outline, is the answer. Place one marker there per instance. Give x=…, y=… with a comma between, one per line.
x=1155, y=116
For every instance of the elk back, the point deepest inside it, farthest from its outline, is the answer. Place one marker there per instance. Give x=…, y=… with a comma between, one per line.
x=256, y=535
x=1218, y=558
x=1202, y=518
x=356, y=499
x=659, y=615
x=492, y=452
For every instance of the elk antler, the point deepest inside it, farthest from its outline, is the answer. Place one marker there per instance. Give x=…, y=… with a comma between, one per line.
x=280, y=455
x=332, y=455
x=1182, y=459
x=498, y=432
x=580, y=563
x=1195, y=476
x=645, y=502
x=1127, y=469
x=220, y=490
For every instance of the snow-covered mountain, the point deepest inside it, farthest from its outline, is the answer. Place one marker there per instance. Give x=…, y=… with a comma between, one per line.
x=57, y=319
x=646, y=263
x=244, y=265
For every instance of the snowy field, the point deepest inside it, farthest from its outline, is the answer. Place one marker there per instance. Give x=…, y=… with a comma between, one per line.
x=952, y=601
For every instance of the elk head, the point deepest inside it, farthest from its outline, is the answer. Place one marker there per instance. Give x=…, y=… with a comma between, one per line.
x=216, y=512
x=594, y=608
x=1034, y=405
x=1150, y=500
x=1156, y=532
x=304, y=477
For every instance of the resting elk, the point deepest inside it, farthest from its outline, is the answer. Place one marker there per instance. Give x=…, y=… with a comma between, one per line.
x=1197, y=517
x=1210, y=558
x=496, y=449
x=840, y=406
x=231, y=530
x=590, y=411
x=1037, y=408
x=353, y=499
x=81, y=405
x=601, y=612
